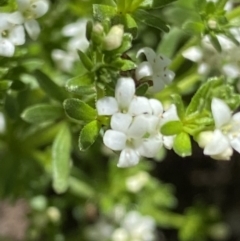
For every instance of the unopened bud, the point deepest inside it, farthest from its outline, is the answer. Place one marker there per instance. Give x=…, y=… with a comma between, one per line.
x=204, y=138
x=113, y=40
x=98, y=28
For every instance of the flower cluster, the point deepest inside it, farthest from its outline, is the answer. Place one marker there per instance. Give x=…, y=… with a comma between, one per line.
x=135, y=123
x=76, y=31
x=219, y=144
x=12, y=24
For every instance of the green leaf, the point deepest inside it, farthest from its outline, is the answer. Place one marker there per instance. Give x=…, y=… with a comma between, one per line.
x=128, y=21
x=150, y=20
x=177, y=100
x=42, y=113
x=215, y=42
x=182, y=144
x=124, y=64
x=79, y=110
x=142, y=89
x=89, y=135
x=210, y=8
x=103, y=12
x=81, y=85
x=89, y=28
x=5, y=84
x=161, y=3
x=80, y=188
x=3, y=2
x=11, y=106
x=87, y=62
x=51, y=88
x=202, y=97
x=61, y=151
x=193, y=27
x=171, y=128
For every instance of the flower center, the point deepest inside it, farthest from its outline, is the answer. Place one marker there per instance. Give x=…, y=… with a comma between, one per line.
x=4, y=33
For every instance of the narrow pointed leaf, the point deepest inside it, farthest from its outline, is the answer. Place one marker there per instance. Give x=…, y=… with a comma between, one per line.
x=89, y=135
x=87, y=62
x=42, y=113
x=61, y=151
x=81, y=85
x=79, y=110
x=150, y=20
x=50, y=87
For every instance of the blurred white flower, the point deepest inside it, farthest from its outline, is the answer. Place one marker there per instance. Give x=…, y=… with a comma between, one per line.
x=78, y=41
x=31, y=10
x=11, y=34
x=155, y=67
x=137, y=182
x=135, y=227
x=227, y=133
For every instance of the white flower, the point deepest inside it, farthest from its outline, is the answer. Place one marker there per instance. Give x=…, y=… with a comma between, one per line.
x=124, y=93
x=64, y=60
x=31, y=10
x=135, y=227
x=227, y=133
x=11, y=34
x=135, y=123
x=137, y=182
x=77, y=32
x=155, y=67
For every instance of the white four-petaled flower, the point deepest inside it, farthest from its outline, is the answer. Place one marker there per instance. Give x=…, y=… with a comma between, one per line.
x=135, y=123
x=155, y=67
x=11, y=34
x=226, y=136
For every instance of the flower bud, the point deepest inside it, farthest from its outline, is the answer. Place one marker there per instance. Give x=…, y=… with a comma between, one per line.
x=113, y=40
x=204, y=138
x=98, y=28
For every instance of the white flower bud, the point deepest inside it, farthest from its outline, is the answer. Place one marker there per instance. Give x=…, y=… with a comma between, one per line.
x=204, y=138
x=224, y=156
x=98, y=28
x=113, y=40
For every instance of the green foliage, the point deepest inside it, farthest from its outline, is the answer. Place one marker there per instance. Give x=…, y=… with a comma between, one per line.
x=79, y=110
x=182, y=144
x=88, y=135
x=42, y=113
x=61, y=151
x=171, y=128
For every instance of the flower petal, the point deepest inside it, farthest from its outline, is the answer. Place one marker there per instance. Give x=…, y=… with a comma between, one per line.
x=151, y=146
x=128, y=157
x=139, y=105
x=75, y=29
x=143, y=70
x=221, y=112
x=217, y=145
x=170, y=115
x=16, y=18
x=32, y=28
x=138, y=128
x=157, y=108
x=39, y=8
x=149, y=53
x=107, y=106
x=17, y=35
x=114, y=140
x=6, y=48
x=124, y=92
x=193, y=53
x=168, y=141
x=235, y=143
x=121, y=122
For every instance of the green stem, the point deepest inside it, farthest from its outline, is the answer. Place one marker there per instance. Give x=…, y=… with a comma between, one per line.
x=178, y=60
